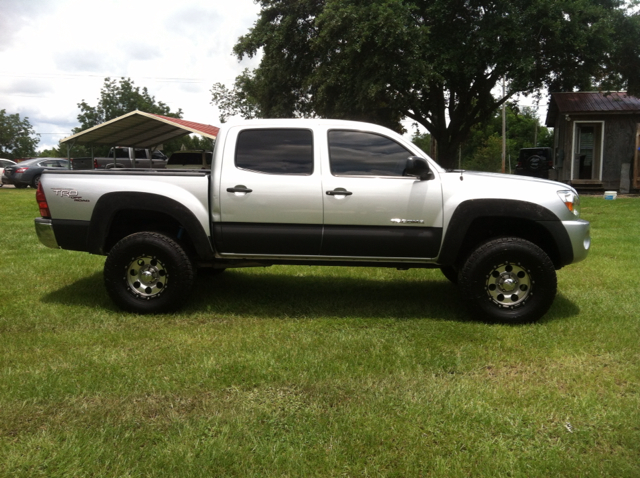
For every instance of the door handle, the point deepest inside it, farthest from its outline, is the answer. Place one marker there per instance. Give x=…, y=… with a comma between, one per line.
x=339, y=192
x=239, y=189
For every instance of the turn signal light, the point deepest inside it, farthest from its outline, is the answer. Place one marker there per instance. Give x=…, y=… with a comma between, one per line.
x=42, y=202
x=571, y=200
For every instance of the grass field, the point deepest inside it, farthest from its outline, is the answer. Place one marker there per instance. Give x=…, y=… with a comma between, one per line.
x=305, y=371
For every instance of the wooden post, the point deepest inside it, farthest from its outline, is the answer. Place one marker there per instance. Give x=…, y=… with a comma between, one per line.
x=636, y=161
x=504, y=128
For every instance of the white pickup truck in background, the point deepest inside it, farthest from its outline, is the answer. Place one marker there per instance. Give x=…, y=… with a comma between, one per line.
x=318, y=192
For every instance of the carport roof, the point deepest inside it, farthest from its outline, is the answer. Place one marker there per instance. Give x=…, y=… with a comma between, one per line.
x=140, y=130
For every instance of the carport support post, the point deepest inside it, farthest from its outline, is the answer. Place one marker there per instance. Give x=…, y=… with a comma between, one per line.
x=114, y=156
x=69, y=146
x=151, y=150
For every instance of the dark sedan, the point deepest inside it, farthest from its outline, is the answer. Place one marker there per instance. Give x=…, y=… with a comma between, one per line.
x=27, y=173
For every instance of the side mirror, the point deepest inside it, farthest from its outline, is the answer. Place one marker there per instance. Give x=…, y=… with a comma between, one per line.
x=418, y=167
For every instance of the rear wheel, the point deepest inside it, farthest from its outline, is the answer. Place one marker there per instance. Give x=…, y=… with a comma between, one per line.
x=508, y=280
x=148, y=272
x=35, y=182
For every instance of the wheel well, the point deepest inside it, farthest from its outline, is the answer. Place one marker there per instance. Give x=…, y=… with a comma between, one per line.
x=483, y=229
x=128, y=222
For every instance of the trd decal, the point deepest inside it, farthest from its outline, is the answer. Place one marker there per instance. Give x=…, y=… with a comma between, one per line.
x=69, y=193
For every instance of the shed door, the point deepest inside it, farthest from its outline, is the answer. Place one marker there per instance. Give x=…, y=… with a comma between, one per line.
x=588, y=152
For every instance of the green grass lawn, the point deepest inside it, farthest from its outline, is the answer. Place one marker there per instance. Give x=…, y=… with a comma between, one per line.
x=308, y=371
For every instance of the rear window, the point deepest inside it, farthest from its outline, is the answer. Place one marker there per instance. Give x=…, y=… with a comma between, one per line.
x=276, y=151
x=141, y=153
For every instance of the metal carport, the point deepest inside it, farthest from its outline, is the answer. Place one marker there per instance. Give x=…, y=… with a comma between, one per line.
x=139, y=129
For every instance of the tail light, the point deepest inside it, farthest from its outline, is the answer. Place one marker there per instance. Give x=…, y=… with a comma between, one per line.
x=42, y=202
x=21, y=170
x=95, y=163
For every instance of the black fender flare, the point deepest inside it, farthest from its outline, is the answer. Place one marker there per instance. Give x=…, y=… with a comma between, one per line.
x=469, y=211
x=110, y=204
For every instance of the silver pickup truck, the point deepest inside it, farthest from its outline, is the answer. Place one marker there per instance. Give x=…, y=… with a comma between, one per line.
x=318, y=192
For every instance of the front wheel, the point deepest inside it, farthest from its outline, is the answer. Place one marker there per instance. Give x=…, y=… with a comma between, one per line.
x=147, y=273
x=508, y=280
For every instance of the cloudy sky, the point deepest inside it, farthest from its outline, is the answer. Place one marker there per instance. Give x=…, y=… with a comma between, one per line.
x=56, y=53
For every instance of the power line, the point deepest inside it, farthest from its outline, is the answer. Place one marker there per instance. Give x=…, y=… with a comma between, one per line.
x=69, y=76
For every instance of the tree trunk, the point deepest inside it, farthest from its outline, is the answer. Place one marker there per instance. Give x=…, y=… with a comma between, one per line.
x=448, y=153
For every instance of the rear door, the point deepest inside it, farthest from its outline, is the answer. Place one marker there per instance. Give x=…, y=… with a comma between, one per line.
x=270, y=193
x=370, y=208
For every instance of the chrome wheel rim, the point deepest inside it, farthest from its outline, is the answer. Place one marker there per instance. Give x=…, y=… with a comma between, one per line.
x=509, y=285
x=146, y=276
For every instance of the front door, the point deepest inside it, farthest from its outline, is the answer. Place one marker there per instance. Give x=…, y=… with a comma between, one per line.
x=370, y=208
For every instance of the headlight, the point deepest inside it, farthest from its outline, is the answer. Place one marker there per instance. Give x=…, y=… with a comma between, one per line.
x=571, y=200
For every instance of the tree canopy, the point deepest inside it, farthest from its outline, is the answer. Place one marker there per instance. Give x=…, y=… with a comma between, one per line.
x=17, y=137
x=437, y=62
x=118, y=98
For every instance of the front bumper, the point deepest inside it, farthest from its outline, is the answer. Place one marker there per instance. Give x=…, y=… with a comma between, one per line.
x=44, y=230
x=579, y=234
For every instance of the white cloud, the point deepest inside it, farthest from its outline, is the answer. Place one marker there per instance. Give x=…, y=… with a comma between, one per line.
x=56, y=53
x=27, y=87
x=16, y=14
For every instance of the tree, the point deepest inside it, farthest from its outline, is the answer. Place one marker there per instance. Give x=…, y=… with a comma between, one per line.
x=483, y=149
x=422, y=141
x=116, y=99
x=17, y=137
x=52, y=153
x=194, y=142
x=436, y=62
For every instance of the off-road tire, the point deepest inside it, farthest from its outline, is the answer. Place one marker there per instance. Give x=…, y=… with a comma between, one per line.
x=508, y=280
x=148, y=273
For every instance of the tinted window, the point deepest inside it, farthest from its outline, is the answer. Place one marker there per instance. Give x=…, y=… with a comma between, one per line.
x=353, y=153
x=275, y=151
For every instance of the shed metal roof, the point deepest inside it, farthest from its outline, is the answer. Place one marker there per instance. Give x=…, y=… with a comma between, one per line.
x=138, y=129
x=591, y=102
